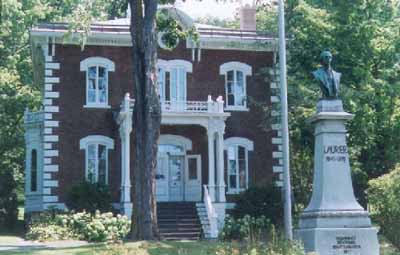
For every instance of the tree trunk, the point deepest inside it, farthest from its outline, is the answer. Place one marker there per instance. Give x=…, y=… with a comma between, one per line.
x=146, y=118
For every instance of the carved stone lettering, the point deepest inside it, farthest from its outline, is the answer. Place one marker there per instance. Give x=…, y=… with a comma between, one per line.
x=335, y=149
x=346, y=243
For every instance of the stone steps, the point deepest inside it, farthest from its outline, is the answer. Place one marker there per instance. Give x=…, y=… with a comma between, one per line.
x=178, y=221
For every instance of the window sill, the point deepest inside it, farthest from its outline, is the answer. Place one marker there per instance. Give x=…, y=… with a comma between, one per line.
x=237, y=108
x=99, y=106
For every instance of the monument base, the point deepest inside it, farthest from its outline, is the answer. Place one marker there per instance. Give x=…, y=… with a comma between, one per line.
x=338, y=241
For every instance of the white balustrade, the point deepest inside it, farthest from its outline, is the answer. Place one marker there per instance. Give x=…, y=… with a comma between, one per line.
x=211, y=214
x=33, y=117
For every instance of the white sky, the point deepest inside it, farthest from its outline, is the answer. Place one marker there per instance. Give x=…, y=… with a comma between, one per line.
x=223, y=9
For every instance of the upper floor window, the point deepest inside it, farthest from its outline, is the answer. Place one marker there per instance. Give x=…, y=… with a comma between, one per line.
x=238, y=163
x=34, y=169
x=172, y=77
x=96, y=157
x=235, y=84
x=97, y=81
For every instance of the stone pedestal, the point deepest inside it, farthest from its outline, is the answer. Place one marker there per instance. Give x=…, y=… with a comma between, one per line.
x=334, y=222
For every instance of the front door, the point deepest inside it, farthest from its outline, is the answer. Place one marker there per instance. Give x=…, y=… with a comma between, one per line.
x=176, y=174
x=162, y=177
x=193, y=178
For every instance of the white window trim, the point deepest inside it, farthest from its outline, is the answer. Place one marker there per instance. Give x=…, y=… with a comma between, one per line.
x=168, y=65
x=249, y=146
x=176, y=140
x=235, y=66
x=96, y=139
x=97, y=61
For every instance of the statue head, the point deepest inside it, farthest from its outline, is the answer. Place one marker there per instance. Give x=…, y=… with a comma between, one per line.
x=326, y=58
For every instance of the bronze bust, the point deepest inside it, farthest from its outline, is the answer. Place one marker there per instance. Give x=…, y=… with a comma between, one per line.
x=328, y=80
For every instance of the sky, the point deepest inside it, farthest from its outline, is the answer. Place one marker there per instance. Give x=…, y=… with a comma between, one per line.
x=221, y=9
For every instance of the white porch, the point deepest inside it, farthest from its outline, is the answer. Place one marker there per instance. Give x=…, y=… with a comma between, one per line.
x=179, y=174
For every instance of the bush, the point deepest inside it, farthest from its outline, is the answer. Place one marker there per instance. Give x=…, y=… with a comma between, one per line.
x=8, y=200
x=383, y=197
x=260, y=201
x=99, y=227
x=248, y=229
x=89, y=197
x=276, y=245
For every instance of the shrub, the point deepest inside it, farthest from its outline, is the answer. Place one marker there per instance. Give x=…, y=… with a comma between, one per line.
x=260, y=201
x=383, y=197
x=45, y=232
x=98, y=227
x=89, y=197
x=248, y=228
x=8, y=200
x=276, y=245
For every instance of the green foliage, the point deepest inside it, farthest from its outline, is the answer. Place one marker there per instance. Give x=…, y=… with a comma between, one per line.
x=89, y=197
x=383, y=198
x=248, y=228
x=276, y=244
x=8, y=200
x=260, y=202
x=83, y=226
x=365, y=41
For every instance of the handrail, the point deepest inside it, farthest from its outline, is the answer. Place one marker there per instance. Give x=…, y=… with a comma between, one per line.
x=211, y=214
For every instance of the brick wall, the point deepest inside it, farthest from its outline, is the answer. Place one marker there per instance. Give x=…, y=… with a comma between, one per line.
x=77, y=122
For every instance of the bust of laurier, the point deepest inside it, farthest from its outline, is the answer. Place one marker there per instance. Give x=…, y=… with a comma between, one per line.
x=328, y=80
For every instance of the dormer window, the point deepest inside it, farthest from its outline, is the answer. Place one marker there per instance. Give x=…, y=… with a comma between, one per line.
x=97, y=81
x=235, y=84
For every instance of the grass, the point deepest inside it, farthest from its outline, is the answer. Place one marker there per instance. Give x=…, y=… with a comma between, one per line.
x=137, y=248
x=144, y=248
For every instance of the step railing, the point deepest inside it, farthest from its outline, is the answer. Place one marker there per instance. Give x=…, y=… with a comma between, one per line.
x=211, y=214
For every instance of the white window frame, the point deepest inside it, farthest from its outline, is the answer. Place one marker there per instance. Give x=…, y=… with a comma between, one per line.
x=168, y=66
x=235, y=66
x=97, y=62
x=96, y=140
x=248, y=145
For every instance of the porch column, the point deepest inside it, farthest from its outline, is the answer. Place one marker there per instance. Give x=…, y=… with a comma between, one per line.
x=211, y=164
x=220, y=163
x=125, y=130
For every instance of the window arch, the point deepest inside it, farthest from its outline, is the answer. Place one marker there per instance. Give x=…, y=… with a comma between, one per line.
x=34, y=171
x=172, y=79
x=96, y=157
x=235, y=84
x=97, y=81
x=238, y=163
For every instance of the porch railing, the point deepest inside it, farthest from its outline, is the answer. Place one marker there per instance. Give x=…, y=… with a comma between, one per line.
x=209, y=106
x=211, y=214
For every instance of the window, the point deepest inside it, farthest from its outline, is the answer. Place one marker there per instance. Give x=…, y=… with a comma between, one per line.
x=172, y=79
x=34, y=168
x=96, y=157
x=237, y=163
x=235, y=84
x=97, y=81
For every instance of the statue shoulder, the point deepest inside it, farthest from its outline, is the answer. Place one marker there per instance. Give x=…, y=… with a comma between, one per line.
x=319, y=73
x=336, y=74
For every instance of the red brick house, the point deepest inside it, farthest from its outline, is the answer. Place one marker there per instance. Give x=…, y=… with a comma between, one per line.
x=213, y=142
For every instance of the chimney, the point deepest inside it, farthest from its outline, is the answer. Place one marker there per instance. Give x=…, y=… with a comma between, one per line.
x=247, y=15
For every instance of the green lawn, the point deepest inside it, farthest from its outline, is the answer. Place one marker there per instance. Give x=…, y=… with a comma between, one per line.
x=139, y=248
x=145, y=248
